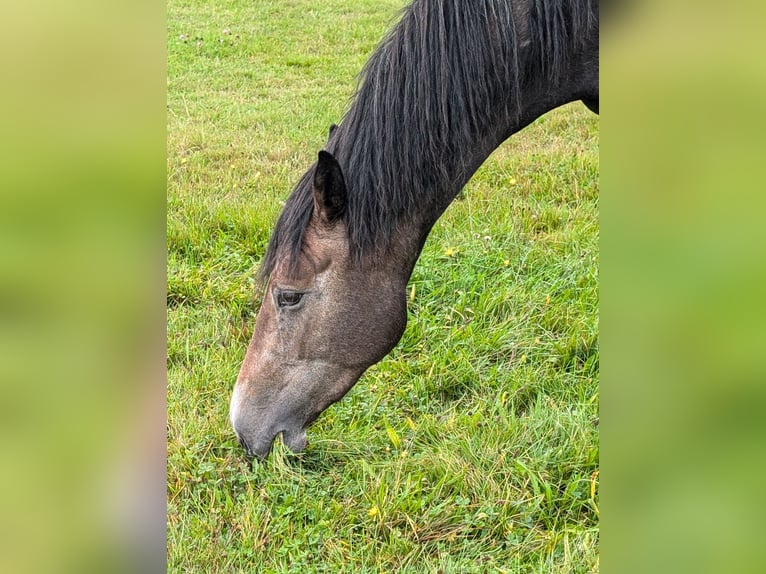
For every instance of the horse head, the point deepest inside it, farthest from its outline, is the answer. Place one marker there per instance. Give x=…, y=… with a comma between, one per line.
x=323, y=321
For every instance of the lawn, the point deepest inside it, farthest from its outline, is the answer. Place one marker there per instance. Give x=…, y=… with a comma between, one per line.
x=473, y=447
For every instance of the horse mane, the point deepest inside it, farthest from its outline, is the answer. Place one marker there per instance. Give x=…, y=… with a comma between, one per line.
x=441, y=77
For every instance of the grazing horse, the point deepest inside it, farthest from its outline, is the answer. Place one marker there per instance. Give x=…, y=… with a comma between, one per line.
x=450, y=82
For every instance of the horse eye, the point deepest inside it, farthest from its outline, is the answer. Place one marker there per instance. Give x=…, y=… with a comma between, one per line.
x=288, y=298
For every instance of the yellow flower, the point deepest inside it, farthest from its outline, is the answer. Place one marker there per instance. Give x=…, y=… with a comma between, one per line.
x=374, y=511
x=449, y=252
x=507, y=262
x=512, y=181
x=523, y=359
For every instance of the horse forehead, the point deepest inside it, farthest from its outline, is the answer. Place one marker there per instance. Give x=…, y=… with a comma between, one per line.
x=323, y=245
x=315, y=257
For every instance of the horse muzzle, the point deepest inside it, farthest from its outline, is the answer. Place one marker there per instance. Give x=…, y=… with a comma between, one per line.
x=259, y=448
x=256, y=433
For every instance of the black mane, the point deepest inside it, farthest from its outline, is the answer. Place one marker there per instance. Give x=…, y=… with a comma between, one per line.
x=447, y=72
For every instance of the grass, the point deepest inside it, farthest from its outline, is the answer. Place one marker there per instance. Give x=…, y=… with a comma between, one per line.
x=473, y=447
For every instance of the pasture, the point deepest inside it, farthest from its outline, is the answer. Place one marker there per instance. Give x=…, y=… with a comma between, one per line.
x=473, y=447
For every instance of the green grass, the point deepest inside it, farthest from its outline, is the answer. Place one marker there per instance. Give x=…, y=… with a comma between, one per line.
x=473, y=447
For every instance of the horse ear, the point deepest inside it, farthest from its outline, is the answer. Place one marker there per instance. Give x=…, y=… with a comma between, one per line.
x=329, y=189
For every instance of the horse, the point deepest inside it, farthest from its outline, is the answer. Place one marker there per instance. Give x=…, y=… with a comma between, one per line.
x=447, y=85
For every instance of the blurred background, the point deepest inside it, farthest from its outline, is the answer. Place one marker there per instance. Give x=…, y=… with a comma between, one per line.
x=82, y=195
x=682, y=286
x=82, y=282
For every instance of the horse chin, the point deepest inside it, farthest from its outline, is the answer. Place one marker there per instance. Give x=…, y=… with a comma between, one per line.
x=295, y=440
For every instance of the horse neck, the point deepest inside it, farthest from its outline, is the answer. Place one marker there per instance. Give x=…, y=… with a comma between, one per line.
x=409, y=174
x=415, y=228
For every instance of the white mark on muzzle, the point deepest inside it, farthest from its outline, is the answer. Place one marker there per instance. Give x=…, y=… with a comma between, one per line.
x=234, y=406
